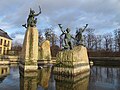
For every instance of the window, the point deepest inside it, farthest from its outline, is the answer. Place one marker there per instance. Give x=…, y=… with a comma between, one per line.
x=8, y=43
x=0, y=50
x=1, y=40
x=2, y=71
x=4, y=51
x=5, y=43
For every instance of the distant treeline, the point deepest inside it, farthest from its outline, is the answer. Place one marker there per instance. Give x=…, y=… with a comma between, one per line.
x=107, y=42
x=98, y=45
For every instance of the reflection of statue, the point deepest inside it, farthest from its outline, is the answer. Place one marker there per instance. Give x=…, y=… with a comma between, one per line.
x=79, y=36
x=67, y=38
x=74, y=83
x=31, y=21
x=29, y=81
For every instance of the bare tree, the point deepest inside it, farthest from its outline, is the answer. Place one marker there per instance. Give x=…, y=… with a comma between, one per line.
x=97, y=45
x=40, y=37
x=90, y=37
x=117, y=40
x=48, y=34
x=51, y=36
x=54, y=39
x=16, y=48
x=108, y=41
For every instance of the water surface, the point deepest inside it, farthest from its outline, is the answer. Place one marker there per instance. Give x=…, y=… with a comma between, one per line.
x=100, y=78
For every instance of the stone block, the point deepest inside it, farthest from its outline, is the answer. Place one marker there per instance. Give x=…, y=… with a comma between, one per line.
x=30, y=45
x=72, y=62
x=78, y=53
x=29, y=54
x=44, y=51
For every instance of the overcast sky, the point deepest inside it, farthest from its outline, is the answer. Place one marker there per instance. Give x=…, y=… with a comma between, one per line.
x=102, y=15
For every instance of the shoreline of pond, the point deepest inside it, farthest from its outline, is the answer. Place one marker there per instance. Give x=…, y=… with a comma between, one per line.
x=114, y=61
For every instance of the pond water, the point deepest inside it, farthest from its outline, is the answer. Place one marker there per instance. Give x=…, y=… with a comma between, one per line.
x=100, y=78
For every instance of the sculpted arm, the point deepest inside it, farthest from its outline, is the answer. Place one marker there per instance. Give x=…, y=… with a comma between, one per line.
x=85, y=28
x=63, y=32
x=39, y=12
x=73, y=37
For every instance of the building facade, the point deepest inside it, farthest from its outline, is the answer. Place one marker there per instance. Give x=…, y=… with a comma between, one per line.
x=5, y=42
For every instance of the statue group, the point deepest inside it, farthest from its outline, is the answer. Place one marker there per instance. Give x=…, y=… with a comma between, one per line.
x=67, y=37
x=67, y=40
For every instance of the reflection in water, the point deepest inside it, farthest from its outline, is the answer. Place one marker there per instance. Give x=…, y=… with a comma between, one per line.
x=28, y=82
x=45, y=81
x=11, y=80
x=44, y=76
x=33, y=80
x=78, y=85
x=4, y=71
x=79, y=82
x=51, y=83
x=101, y=78
x=104, y=78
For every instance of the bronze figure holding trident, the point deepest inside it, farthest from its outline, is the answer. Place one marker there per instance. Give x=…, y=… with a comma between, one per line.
x=31, y=21
x=67, y=38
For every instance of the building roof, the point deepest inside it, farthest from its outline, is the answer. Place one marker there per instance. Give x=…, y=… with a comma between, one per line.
x=4, y=34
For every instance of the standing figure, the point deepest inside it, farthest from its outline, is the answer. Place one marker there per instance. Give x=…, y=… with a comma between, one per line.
x=67, y=38
x=79, y=36
x=31, y=21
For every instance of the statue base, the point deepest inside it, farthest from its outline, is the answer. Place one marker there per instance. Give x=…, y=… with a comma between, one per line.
x=29, y=55
x=72, y=63
x=25, y=68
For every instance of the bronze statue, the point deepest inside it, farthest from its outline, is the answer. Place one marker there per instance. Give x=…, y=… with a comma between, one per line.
x=31, y=21
x=78, y=36
x=67, y=38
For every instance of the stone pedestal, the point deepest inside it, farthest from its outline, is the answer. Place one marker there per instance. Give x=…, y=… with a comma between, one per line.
x=44, y=53
x=29, y=55
x=72, y=63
